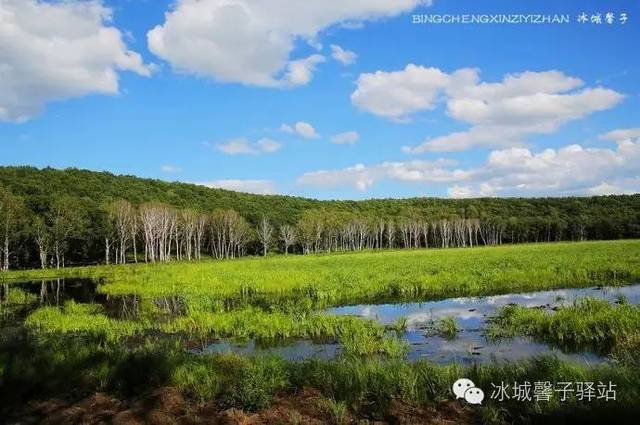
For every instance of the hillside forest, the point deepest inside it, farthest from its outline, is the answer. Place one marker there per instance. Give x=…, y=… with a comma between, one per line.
x=56, y=218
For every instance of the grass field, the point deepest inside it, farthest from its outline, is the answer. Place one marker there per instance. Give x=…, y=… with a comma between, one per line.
x=269, y=298
x=78, y=348
x=340, y=278
x=587, y=322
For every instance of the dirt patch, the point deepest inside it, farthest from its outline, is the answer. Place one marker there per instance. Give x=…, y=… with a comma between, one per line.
x=445, y=413
x=167, y=406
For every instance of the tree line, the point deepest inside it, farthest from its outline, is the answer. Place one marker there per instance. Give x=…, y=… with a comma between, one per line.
x=52, y=218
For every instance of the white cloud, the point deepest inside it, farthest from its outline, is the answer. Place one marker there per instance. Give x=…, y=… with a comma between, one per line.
x=500, y=114
x=621, y=134
x=301, y=128
x=300, y=72
x=345, y=57
x=571, y=169
x=604, y=189
x=170, y=168
x=457, y=191
x=286, y=128
x=398, y=94
x=507, y=121
x=348, y=138
x=242, y=146
x=57, y=50
x=268, y=145
x=250, y=41
x=363, y=177
x=260, y=187
x=357, y=176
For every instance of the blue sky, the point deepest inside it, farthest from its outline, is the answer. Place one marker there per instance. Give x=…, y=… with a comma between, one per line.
x=223, y=110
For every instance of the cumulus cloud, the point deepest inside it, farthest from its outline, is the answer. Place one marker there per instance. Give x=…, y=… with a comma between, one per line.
x=242, y=146
x=572, y=169
x=363, y=177
x=346, y=138
x=457, y=191
x=260, y=187
x=345, y=57
x=300, y=72
x=500, y=114
x=57, y=50
x=301, y=128
x=621, y=134
x=397, y=95
x=251, y=41
x=604, y=189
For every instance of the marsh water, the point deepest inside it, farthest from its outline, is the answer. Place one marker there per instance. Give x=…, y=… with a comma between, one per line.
x=55, y=292
x=471, y=315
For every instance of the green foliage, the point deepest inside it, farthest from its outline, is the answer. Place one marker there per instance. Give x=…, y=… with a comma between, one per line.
x=88, y=319
x=281, y=304
x=198, y=379
x=447, y=327
x=370, y=276
x=74, y=203
x=75, y=349
x=68, y=367
x=627, y=350
x=399, y=326
x=587, y=321
x=16, y=296
x=335, y=410
x=251, y=385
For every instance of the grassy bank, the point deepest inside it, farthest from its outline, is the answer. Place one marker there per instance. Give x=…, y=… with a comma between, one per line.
x=76, y=349
x=587, y=321
x=358, y=337
x=338, y=278
x=277, y=298
x=69, y=368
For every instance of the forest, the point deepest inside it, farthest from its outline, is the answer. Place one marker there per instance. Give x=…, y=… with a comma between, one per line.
x=57, y=218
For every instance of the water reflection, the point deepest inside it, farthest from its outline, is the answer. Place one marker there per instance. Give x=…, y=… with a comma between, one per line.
x=471, y=313
x=55, y=292
x=293, y=350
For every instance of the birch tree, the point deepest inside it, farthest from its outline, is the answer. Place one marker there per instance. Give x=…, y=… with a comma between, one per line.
x=288, y=236
x=188, y=225
x=122, y=216
x=10, y=213
x=229, y=233
x=42, y=236
x=265, y=233
x=201, y=225
x=66, y=220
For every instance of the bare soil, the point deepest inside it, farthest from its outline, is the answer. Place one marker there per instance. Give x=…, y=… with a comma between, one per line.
x=167, y=406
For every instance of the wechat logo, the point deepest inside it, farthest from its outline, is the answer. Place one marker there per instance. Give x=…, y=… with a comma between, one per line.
x=465, y=388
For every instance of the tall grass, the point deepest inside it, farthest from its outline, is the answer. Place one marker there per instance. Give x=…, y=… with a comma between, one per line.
x=447, y=327
x=587, y=321
x=85, y=319
x=67, y=367
x=358, y=337
x=369, y=276
x=279, y=297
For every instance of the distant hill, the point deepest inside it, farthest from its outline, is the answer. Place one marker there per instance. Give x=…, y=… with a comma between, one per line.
x=81, y=199
x=38, y=186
